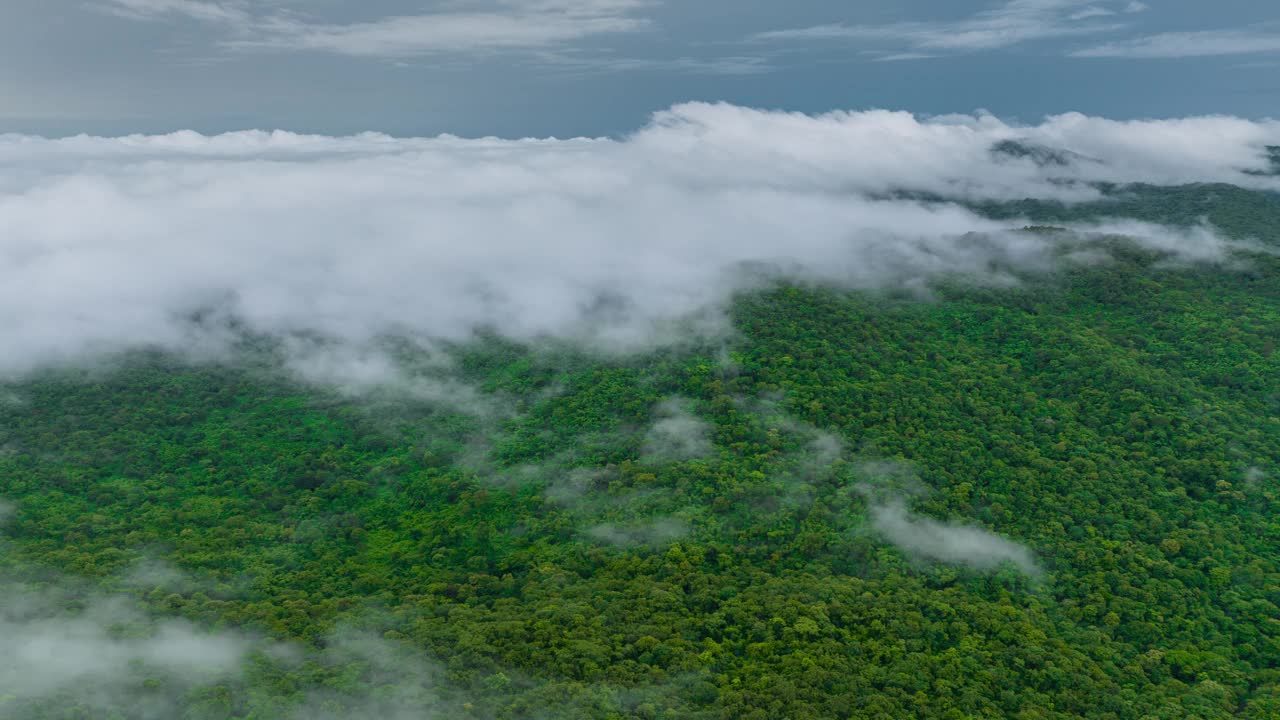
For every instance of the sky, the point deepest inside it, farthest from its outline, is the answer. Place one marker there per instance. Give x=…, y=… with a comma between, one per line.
x=564, y=68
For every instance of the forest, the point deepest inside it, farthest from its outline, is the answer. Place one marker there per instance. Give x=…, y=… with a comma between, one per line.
x=1049, y=498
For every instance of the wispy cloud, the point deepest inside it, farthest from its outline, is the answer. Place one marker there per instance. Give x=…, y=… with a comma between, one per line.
x=654, y=532
x=1013, y=23
x=951, y=543
x=900, y=56
x=1099, y=11
x=523, y=25
x=1200, y=43
x=725, y=65
x=103, y=653
x=229, y=12
x=677, y=434
x=1090, y=12
x=467, y=26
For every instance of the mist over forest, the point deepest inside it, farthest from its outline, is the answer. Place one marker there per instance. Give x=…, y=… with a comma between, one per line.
x=744, y=414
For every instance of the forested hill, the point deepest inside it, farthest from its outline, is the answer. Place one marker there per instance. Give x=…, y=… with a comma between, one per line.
x=1055, y=498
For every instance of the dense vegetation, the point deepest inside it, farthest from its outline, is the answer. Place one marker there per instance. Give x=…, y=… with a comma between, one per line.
x=540, y=557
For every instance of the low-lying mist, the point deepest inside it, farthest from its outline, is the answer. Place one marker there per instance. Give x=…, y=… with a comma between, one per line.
x=184, y=241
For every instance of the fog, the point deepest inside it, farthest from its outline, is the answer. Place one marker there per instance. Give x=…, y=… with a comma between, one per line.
x=105, y=652
x=185, y=242
x=676, y=434
x=949, y=542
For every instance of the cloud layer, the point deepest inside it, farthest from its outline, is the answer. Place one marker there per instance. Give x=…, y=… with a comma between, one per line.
x=112, y=243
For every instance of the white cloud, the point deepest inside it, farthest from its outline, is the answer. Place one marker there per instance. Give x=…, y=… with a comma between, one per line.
x=396, y=682
x=725, y=65
x=1199, y=43
x=897, y=57
x=1090, y=12
x=676, y=434
x=112, y=243
x=949, y=543
x=451, y=32
x=109, y=656
x=102, y=652
x=1012, y=23
x=230, y=12
x=652, y=532
x=465, y=26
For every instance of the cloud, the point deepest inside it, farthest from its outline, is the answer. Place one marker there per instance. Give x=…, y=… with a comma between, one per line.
x=73, y=642
x=395, y=682
x=231, y=12
x=1090, y=12
x=1013, y=23
x=378, y=373
x=334, y=244
x=66, y=646
x=1199, y=43
x=949, y=543
x=466, y=26
x=897, y=57
x=725, y=65
x=676, y=435
x=652, y=532
x=105, y=652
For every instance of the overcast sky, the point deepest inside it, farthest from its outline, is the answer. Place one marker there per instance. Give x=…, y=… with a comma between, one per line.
x=601, y=67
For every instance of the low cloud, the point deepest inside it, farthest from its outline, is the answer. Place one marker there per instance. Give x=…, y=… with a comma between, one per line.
x=650, y=532
x=395, y=682
x=104, y=653
x=677, y=434
x=1253, y=475
x=67, y=645
x=950, y=543
x=379, y=375
x=184, y=242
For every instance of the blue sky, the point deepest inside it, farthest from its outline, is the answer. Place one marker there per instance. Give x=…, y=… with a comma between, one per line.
x=601, y=67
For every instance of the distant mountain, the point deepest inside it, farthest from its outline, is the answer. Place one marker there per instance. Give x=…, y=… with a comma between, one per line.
x=1237, y=212
x=1041, y=155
